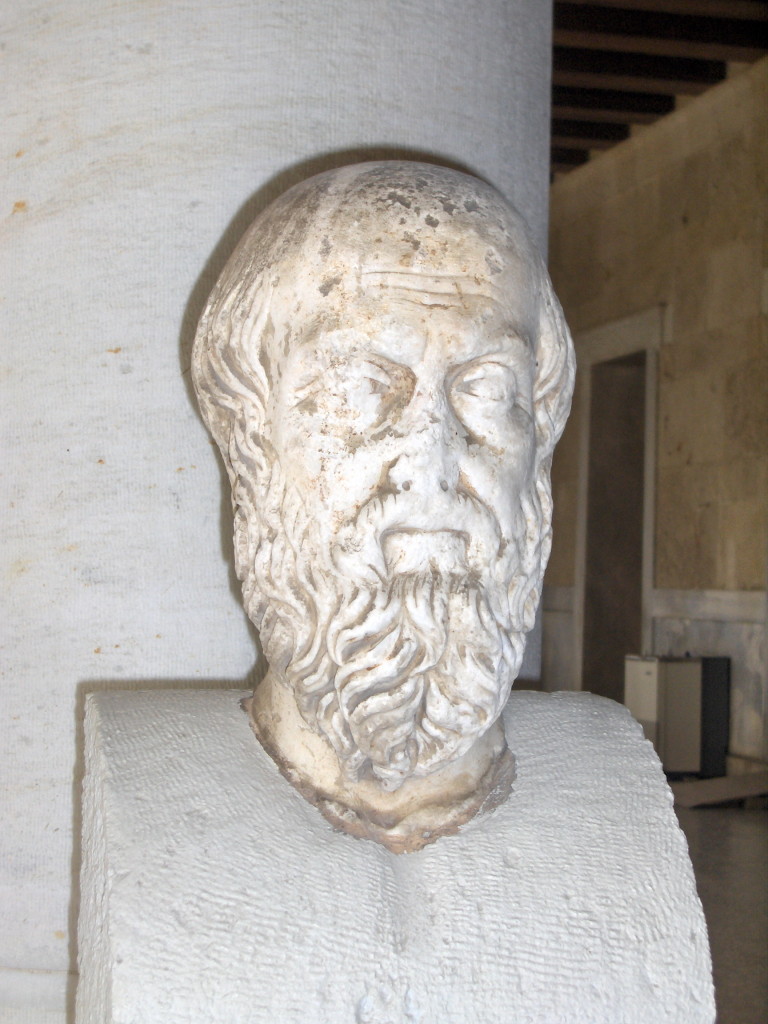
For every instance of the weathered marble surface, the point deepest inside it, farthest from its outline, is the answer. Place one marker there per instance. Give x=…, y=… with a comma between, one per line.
x=386, y=371
x=574, y=902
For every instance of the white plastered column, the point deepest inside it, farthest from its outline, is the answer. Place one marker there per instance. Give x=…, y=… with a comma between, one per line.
x=138, y=141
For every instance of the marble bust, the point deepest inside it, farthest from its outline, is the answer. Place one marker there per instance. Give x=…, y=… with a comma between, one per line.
x=386, y=371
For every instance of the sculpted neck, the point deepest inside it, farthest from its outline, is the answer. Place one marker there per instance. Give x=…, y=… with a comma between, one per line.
x=418, y=813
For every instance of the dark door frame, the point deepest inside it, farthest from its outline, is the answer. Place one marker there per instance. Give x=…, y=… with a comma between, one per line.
x=641, y=332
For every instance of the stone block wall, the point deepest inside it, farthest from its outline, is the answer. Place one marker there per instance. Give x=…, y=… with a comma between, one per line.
x=676, y=217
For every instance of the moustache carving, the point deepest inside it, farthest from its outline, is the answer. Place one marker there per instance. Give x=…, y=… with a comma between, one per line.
x=410, y=550
x=393, y=533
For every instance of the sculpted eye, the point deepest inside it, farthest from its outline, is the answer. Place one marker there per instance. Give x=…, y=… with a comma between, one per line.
x=378, y=385
x=359, y=395
x=488, y=401
x=391, y=385
x=491, y=383
x=485, y=382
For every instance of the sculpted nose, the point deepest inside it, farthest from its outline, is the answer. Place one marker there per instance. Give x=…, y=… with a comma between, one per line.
x=428, y=460
x=408, y=472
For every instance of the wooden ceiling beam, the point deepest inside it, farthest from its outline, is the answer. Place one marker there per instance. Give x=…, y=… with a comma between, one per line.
x=590, y=26
x=593, y=80
x=564, y=142
x=609, y=107
x=601, y=116
x=566, y=159
x=633, y=72
x=589, y=40
x=622, y=62
x=587, y=134
x=746, y=10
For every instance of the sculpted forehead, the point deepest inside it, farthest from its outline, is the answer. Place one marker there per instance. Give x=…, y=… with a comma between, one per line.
x=396, y=249
x=403, y=323
x=410, y=218
x=395, y=245
x=401, y=315
x=397, y=198
x=388, y=215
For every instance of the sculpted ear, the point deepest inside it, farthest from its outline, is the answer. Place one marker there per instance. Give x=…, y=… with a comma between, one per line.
x=233, y=386
x=553, y=390
x=555, y=370
x=229, y=371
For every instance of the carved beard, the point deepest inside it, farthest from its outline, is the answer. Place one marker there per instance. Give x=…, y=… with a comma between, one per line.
x=423, y=670
x=401, y=671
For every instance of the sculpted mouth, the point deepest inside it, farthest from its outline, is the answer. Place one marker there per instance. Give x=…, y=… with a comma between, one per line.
x=410, y=549
x=426, y=532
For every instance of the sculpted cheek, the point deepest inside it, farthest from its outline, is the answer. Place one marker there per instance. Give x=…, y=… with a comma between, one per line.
x=350, y=481
x=498, y=483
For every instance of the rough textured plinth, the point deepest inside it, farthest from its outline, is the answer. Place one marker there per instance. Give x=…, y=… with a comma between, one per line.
x=212, y=892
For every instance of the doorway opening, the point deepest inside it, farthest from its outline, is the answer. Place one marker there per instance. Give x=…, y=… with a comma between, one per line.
x=613, y=571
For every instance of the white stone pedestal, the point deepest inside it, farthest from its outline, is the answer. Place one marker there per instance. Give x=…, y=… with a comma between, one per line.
x=212, y=893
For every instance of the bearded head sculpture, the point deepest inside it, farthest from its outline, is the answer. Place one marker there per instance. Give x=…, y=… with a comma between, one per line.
x=386, y=371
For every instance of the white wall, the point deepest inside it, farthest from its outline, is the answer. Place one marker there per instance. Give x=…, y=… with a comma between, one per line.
x=139, y=140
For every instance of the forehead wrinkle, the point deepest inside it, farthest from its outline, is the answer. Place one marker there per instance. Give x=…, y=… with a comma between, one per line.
x=504, y=347
x=441, y=288
x=483, y=310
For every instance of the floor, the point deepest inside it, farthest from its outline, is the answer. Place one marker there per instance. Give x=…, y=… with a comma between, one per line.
x=729, y=851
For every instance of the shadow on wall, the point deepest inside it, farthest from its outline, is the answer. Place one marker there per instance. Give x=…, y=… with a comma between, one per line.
x=83, y=689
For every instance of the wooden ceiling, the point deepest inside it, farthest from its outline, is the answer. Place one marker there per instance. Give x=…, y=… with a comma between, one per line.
x=618, y=63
